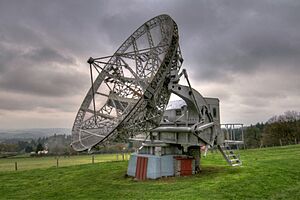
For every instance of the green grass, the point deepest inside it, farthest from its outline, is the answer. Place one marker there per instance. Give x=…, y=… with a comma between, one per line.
x=27, y=163
x=271, y=173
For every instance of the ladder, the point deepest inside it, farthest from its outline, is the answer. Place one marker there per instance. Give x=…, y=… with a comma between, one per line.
x=230, y=156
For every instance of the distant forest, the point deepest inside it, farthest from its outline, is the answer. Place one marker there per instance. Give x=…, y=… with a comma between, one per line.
x=54, y=145
x=277, y=131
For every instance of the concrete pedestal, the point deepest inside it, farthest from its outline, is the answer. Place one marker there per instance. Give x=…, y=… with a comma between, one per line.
x=150, y=165
x=146, y=166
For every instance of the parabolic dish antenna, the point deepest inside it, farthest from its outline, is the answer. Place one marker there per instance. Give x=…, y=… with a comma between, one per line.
x=130, y=91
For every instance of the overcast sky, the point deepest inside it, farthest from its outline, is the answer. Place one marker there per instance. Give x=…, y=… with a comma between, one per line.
x=246, y=53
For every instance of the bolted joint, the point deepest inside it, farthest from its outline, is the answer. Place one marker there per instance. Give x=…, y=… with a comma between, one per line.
x=90, y=60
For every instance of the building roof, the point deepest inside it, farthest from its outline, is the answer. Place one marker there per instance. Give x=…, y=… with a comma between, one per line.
x=176, y=104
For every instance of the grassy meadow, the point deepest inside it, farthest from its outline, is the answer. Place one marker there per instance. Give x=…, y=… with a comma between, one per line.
x=27, y=163
x=268, y=173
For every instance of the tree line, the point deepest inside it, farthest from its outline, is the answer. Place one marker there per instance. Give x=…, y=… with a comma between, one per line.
x=277, y=131
x=54, y=145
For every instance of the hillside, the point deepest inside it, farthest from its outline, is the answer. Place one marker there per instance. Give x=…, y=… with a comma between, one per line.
x=269, y=173
x=32, y=133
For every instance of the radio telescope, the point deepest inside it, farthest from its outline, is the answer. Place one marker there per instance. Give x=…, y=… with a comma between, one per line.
x=128, y=100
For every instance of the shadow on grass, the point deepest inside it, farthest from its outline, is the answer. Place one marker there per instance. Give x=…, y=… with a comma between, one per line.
x=206, y=172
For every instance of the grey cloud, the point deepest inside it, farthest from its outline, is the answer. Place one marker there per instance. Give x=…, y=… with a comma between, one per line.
x=44, y=81
x=255, y=102
x=241, y=37
x=40, y=71
x=44, y=46
x=5, y=59
x=48, y=55
x=25, y=102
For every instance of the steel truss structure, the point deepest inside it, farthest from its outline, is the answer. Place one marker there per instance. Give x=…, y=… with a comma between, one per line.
x=233, y=133
x=130, y=91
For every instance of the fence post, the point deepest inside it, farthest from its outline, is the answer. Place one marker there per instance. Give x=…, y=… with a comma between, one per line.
x=56, y=162
x=280, y=142
x=16, y=166
x=93, y=159
x=123, y=156
x=117, y=156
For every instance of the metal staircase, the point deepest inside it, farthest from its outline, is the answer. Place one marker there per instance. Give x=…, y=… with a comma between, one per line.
x=233, y=136
x=230, y=155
